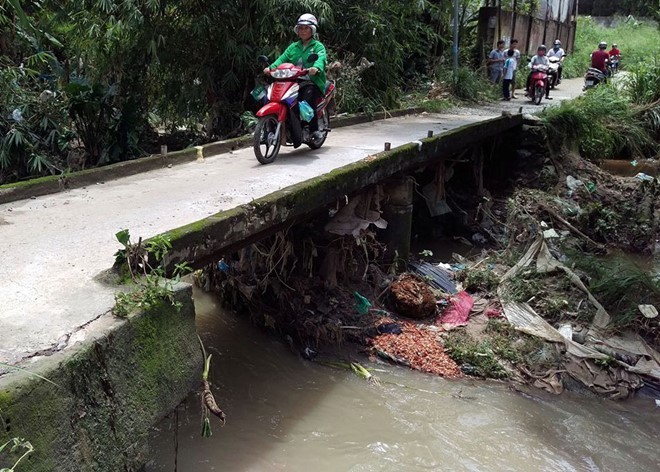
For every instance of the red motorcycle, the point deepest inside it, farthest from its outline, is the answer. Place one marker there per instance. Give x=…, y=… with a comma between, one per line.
x=278, y=122
x=538, y=84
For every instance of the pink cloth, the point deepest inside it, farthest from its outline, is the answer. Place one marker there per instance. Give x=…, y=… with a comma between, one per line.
x=458, y=311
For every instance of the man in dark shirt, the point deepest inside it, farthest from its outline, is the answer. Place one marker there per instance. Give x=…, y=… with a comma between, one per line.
x=600, y=57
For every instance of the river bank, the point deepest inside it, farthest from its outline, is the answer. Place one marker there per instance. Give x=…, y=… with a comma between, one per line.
x=521, y=309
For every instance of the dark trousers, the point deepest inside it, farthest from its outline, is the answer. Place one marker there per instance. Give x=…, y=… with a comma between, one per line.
x=506, y=85
x=312, y=95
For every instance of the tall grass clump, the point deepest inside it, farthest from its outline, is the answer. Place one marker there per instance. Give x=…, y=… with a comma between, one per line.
x=621, y=285
x=469, y=85
x=638, y=43
x=602, y=123
x=642, y=85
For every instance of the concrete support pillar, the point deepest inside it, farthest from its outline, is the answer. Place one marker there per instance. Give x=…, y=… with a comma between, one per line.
x=398, y=212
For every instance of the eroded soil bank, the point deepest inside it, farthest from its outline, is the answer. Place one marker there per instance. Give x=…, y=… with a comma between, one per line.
x=545, y=298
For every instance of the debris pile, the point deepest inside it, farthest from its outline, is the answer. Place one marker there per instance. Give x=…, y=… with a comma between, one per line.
x=418, y=348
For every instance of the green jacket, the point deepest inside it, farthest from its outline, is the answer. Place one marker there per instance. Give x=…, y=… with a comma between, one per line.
x=297, y=54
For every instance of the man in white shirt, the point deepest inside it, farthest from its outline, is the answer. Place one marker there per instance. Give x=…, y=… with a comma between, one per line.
x=559, y=53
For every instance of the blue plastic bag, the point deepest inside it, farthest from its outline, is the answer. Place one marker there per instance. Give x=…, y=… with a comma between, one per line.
x=306, y=111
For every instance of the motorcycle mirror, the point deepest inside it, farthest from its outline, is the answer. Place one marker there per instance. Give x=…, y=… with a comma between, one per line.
x=312, y=58
x=263, y=60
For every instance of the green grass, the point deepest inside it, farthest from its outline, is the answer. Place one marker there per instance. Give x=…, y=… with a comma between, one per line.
x=603, y=123
x=469, y=86
x=620, y=284
x=638, y=44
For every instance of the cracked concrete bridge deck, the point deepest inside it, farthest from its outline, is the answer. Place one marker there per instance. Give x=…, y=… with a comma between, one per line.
x=53, y=247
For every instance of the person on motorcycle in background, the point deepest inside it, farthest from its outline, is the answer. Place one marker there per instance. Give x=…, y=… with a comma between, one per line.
x=615, y=54
x=600, y=58
x=559, y=53
x=297, y=53
x=539, y=59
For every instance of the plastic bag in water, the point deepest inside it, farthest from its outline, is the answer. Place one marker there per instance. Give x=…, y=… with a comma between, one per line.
x=306, y=111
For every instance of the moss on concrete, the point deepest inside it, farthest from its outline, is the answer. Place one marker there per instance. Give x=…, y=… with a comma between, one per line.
x=111, y=391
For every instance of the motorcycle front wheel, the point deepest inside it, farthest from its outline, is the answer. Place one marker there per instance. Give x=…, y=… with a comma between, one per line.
x=538, y=94
x=266, y=139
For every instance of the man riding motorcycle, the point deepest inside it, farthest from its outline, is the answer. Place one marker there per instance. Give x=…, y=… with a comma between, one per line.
x=600, y=58
x=615, y=56
x=559, y=53
x=540, y=58
x=297, y=53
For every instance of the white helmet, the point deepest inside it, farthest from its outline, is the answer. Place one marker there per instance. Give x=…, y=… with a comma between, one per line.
x=307, y=19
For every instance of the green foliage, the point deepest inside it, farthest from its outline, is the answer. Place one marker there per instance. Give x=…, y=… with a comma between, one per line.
x=621, y=285
x=16, y=446
x=523, y=286
x=638, y=44
x=34, y=137
x=152, y=287
x=603, y=124
x=602, y=220
x=512, y=345
x=643, y=83
x=476, y=358
x=474, y=279
x=470, y=86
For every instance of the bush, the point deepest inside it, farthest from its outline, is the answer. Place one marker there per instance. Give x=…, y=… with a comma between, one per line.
x=470, y=85
x=34, y=138
x=602, y=123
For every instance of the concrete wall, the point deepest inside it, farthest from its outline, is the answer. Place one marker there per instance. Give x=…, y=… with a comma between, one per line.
x=110, y=391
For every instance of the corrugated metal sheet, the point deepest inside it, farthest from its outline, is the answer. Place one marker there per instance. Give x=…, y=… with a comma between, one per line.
x=555, y=10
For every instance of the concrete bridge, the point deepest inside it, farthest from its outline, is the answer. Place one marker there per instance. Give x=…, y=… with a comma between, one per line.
x=56, y=317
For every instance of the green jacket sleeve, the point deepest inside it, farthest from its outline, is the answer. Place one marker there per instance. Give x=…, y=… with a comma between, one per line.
x=320, y=62
x=285, y=57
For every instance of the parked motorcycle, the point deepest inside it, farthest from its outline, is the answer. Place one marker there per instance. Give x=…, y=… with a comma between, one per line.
x=553, y=71
x=538, y=83
x=593, y=77
x=279, y=119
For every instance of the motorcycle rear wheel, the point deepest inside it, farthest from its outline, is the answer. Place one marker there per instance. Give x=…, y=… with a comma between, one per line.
x=538, y=94
x=266, y=142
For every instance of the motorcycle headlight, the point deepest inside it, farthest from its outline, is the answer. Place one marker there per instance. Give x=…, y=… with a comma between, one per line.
x=283, y=73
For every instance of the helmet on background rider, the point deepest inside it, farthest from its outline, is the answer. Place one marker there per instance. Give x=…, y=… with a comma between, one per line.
x=614, y=45
x=557, y=44
x=602, y=45
x=542, y=49
x=307, y=19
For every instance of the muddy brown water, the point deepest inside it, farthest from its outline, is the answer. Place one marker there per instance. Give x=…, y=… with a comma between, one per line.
x=287, y=414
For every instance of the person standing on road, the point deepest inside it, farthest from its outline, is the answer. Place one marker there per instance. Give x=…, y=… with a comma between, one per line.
x=513, y=46
x=496, y=62
x=509, y=70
